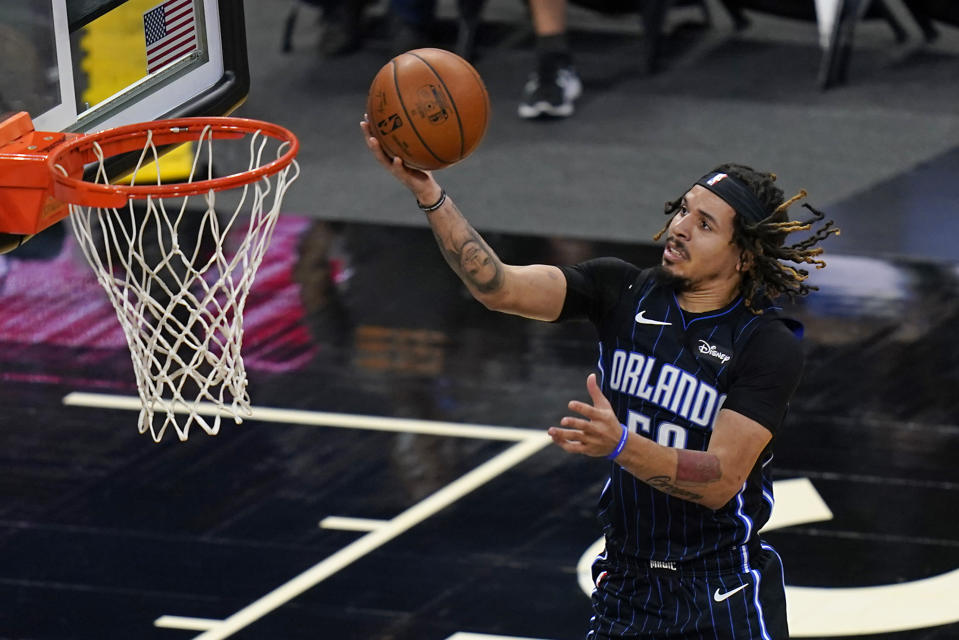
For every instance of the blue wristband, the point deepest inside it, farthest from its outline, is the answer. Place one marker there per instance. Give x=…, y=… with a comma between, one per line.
x=622, y=443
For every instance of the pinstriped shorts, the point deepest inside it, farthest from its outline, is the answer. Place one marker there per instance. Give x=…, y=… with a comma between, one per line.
x=664, y=603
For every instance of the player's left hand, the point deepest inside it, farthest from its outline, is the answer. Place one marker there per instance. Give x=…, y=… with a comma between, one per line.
x=595, y=434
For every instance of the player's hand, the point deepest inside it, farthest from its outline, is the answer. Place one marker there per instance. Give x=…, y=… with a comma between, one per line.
x=421, y=183
x=595, y=434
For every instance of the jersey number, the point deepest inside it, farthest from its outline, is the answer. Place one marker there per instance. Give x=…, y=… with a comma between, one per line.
x=666, y=434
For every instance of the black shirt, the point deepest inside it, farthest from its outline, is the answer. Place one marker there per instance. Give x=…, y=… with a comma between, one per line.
x=667, y=373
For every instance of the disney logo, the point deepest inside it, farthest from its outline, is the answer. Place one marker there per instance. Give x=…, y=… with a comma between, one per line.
x=709, y=350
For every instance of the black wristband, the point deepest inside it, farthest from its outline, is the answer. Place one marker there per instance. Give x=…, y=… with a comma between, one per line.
x=434, y=206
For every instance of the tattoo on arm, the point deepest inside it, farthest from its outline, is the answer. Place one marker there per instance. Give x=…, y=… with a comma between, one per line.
x=691, y=466
x=665, y=484
x=468, y=255
x=697, y=466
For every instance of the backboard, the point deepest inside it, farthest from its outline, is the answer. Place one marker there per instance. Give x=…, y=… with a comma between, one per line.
x=88, y=65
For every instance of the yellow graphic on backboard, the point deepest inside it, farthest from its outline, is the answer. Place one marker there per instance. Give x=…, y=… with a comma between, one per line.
x=113, y=51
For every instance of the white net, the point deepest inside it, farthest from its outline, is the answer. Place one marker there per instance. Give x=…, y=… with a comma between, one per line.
x=178, y=274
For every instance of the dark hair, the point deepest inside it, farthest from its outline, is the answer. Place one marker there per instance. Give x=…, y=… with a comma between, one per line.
x=765, y=241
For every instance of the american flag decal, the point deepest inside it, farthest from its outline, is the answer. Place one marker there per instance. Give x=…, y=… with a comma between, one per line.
x=170, y=31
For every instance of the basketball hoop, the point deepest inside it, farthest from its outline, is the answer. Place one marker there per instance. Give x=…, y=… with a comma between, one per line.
x=176, y=271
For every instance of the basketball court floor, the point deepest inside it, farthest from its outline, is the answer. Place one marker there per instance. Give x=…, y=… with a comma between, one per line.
x=395, y=480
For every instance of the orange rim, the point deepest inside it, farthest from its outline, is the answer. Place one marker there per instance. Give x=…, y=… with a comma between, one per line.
x=74, y=154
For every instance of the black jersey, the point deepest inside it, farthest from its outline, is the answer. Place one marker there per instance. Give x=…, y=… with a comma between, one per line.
x=666, y=374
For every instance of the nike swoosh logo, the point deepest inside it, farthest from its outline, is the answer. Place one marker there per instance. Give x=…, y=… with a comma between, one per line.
x=642, y=319
x=719, y=597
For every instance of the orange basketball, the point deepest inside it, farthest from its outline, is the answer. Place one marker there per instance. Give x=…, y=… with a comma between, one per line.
x=429, y=107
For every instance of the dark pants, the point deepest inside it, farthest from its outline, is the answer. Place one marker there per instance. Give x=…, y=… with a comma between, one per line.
x=673, y=604
x=417, y=13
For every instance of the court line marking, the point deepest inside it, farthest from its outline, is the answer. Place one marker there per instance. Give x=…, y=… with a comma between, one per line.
x=343, y=523
x=797, y=502
x=912, y=605
x=852, y=611
x=527, y=443
x=374, y=539
x=816, y=612
x=187, y=624
x=322, y=419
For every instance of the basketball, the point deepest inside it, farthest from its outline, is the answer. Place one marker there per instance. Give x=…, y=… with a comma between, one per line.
x=429, y=107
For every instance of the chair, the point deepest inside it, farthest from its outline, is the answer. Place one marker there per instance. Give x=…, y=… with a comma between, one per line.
x=835, y=62
x=926, y=12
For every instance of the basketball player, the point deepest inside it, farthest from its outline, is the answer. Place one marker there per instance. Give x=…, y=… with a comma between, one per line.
x=696, y=369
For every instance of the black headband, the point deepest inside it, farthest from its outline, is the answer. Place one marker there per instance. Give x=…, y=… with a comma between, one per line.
x=736, y=194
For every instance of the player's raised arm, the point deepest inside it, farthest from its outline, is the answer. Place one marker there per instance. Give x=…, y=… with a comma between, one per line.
x=532, y=291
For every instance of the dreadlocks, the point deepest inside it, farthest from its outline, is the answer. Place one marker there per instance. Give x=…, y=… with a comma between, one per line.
x=763, y=244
